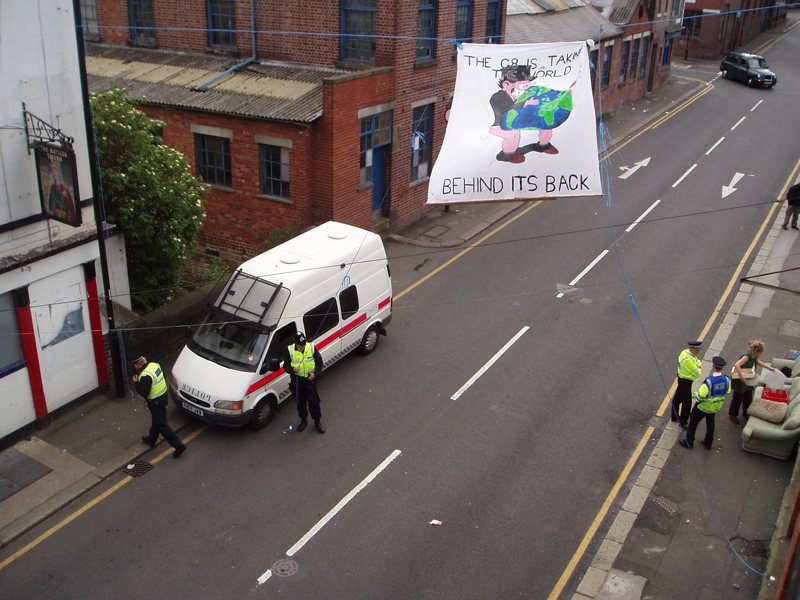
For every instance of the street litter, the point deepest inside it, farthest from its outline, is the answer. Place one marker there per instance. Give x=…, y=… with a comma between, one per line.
x=436, y=522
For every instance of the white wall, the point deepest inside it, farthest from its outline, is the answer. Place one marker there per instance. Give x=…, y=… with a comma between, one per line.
x=39, y=66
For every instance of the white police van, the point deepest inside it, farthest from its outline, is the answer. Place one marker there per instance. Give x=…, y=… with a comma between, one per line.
x=332, y=283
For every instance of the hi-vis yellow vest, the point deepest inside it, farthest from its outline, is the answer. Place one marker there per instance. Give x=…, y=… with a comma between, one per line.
x=156, y=375
x=689, y=366
x=711, y=395
x=303, y=360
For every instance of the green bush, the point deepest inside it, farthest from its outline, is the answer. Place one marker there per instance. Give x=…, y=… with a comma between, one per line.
x=150, y=194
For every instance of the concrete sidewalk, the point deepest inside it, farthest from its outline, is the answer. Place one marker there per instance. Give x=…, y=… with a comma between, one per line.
x=665, y=540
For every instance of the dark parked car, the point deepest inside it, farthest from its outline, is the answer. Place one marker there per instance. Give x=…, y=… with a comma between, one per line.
x=748, y=68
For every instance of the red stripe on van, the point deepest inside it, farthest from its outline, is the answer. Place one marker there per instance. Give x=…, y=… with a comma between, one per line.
x=384, y=303
x=342, y=331
x=319, y=346
x=265, y=381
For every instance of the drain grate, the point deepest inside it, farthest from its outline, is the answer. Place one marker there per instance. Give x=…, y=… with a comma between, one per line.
x=667, y=505
x=138, y=468
x=285, y=567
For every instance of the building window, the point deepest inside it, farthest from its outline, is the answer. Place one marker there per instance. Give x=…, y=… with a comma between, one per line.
x=676, y=7
x=358, y=26
x=623, y=67
x=606, y=78
x=89, y=18
x=142, y=20
x=426, y=18
x=666, y=58
x=214, y=159
x=635, y=56
x=463, y=20
x=11, y=357
x=222, y=23
x=593, y=57
x=493, y=16
x=376, y=130
x=643, y=62
x=691, y=22
x=274, y=170
x=422, y=142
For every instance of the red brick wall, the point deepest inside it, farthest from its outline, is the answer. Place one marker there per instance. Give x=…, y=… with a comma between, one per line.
x=239, y=220
x=324, y=160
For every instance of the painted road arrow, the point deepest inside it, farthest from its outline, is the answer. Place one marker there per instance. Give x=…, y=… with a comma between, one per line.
x=631, y=170
x=727, y=190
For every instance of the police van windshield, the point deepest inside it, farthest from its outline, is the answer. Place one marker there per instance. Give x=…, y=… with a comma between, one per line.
x=233, y=343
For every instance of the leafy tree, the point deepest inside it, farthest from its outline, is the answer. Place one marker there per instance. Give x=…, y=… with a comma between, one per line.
x=150, y=193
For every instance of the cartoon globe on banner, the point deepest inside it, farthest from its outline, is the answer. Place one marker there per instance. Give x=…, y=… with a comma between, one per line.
x=553, y=109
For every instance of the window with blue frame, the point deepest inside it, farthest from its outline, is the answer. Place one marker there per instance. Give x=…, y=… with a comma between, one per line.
x=142, y=20
x=11, y=357
x=214, y=159
x=422, y=142
x=463, y=20
x=623, y=66
x=666, y=58
x=376, y=130
x=635, y=57
x=89, y=18
x=606, y=76
x=222, y=23
x=274, y=170
x=643, y=62
x=493, y=16
x=426, y=30
x=358, y=30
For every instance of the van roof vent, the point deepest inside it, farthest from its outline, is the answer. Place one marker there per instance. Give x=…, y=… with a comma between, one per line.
x=290, y=259
x=337, y=234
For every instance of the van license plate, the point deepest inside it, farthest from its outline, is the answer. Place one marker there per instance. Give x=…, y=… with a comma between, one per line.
x=191, y=408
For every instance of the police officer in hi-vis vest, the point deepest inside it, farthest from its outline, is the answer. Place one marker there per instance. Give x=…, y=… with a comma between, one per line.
x=302, y=361
x=708, y=402
x=152, y=386
x=689, y=369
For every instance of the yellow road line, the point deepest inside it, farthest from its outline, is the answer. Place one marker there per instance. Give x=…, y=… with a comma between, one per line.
x=83, y=509
x=463, y=252
x=602, y=513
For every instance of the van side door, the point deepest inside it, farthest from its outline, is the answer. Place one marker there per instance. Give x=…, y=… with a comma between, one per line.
x=321, y=325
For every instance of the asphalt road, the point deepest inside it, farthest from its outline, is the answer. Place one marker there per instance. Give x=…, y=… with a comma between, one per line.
x=518, y=464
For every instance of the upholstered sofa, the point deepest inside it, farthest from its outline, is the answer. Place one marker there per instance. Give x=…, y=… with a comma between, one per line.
x=775, y=439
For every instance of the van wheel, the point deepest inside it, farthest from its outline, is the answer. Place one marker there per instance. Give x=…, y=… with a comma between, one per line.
x=751, y=82
x=724, y=73
x=370, y=341
x=263, y=413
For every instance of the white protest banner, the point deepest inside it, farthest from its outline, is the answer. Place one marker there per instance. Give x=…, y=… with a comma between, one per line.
x=522, y=125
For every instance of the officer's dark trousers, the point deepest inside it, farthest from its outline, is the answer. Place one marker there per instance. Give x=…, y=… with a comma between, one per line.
x=158, y=412
x=305, y=392
x=695, y=417
x=682, y=401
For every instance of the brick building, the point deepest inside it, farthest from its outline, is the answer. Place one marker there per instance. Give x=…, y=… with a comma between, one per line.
x=715, y=27
x=340, y=122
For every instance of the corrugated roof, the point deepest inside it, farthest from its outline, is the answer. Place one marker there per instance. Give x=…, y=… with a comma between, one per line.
x=533, y=7
x=575, y=24
x=618, y=11
x=276, y=91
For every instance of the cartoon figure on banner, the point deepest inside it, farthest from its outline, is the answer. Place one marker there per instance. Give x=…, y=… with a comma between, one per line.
x=522, y=105
x=59, y=200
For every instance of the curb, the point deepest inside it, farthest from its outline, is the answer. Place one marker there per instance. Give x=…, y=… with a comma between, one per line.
x=483, y=225
x=93, y=477
x=600, y=575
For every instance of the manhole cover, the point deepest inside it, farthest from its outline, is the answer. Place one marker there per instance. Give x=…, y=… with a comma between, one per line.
x=285, y=567
x=138, y=468
x=667, y=505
